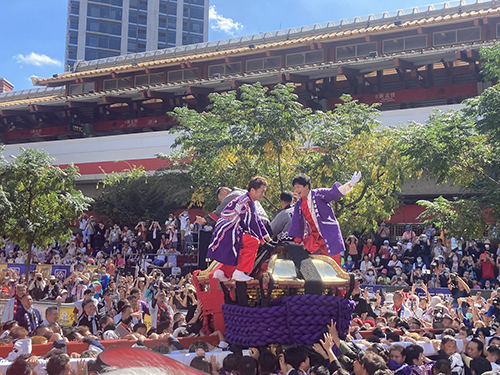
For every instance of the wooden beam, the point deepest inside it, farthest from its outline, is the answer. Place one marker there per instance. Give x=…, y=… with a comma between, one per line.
x=292, y=77
x=150, y=94
x=196, y=90
x=236, y=84
x=154, y=70
x=116, y=99
x=72, y=104
x=120, y=75
x=468, y=56
x=403, y=64
x=13, y=112
x=46, y=108
x=348, y=72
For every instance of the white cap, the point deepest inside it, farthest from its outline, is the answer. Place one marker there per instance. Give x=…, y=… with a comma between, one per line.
x=389, y=299
x=435, y=300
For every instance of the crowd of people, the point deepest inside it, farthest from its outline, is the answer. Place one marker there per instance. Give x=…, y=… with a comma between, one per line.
x=128, y=296
x=429, y=258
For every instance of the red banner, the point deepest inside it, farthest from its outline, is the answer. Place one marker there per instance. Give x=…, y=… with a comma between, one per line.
x=415, y=95
x=140, y=122
x=37, y=133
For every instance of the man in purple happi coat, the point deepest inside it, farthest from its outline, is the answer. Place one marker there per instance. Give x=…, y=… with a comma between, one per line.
x=238, y=234
x=313, y=223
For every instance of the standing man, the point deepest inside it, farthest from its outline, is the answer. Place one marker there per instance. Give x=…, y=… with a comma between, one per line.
x=238, y=234
x=226, y=195
x=27, y=316
x=90, y=318
x=281, y=222
x=51, y=319
x=14, y=303
x=313, y=223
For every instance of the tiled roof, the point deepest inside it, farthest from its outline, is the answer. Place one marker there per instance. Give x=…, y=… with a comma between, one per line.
x=172, y=86
x=140, y=66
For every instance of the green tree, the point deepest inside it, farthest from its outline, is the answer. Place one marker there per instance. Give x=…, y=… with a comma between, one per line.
x=350, y=138
x=132, y=196
x=462, y=147
x=461, y=217
x=261, y=131
x=42, y=200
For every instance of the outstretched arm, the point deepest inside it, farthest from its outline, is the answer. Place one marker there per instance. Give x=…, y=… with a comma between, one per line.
x=346, y=188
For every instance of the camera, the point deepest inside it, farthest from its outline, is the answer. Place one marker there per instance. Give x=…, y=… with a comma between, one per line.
x=437, y=313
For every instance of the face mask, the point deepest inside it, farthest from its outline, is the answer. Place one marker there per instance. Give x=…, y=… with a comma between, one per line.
x=349, y=259
x=468, y=316
x=370, y=273
x=378, y=259
x=486, y=246
x=398, y=272
x=412, y=304
x=419, y=260
x=446, y=274
x=455, y=259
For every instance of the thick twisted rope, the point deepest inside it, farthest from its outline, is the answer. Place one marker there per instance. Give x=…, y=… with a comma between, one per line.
x=299, y=319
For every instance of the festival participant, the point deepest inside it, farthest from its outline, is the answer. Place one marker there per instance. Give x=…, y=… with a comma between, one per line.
x=281, y=223
x=238, y=233
x=14, y=303
x=89, y=317
x=226, y=195
x=313, y=222
x=27, y=316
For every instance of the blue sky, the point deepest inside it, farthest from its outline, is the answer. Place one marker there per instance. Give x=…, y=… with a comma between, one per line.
x=32, y=32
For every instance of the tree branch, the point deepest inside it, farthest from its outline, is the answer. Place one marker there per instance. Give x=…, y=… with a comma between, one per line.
x=357, y=200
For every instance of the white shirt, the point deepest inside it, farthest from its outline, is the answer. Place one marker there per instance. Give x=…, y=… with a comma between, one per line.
x=183, y=219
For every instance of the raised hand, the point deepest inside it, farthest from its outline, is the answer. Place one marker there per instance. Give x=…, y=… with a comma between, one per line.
x=355, y=178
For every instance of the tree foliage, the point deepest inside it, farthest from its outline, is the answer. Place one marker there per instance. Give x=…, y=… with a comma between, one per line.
x=261, y=131
x=462, y=147
x=133, y=196
x=463, y=216
x=41, y=198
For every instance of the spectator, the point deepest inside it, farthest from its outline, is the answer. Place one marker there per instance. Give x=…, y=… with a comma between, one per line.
x=352, y=247
x=383, y=279
x=417, y=361
x=27, y=316
x=89, y=317
x=369, y=249
x=21, y=366
x=385, y=251
x=14, y=303
x=408, y=234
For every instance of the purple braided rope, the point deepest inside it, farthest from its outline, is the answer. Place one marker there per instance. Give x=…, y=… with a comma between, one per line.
x=291, y=320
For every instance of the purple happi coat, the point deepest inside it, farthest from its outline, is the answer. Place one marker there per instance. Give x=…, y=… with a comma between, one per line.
x=239, y=216
x=327, y=222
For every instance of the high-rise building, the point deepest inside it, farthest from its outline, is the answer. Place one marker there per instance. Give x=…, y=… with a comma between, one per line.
x=105, y=28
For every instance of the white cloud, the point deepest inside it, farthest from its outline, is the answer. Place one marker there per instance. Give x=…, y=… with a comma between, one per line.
x=221, y=23
x=36, y=59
